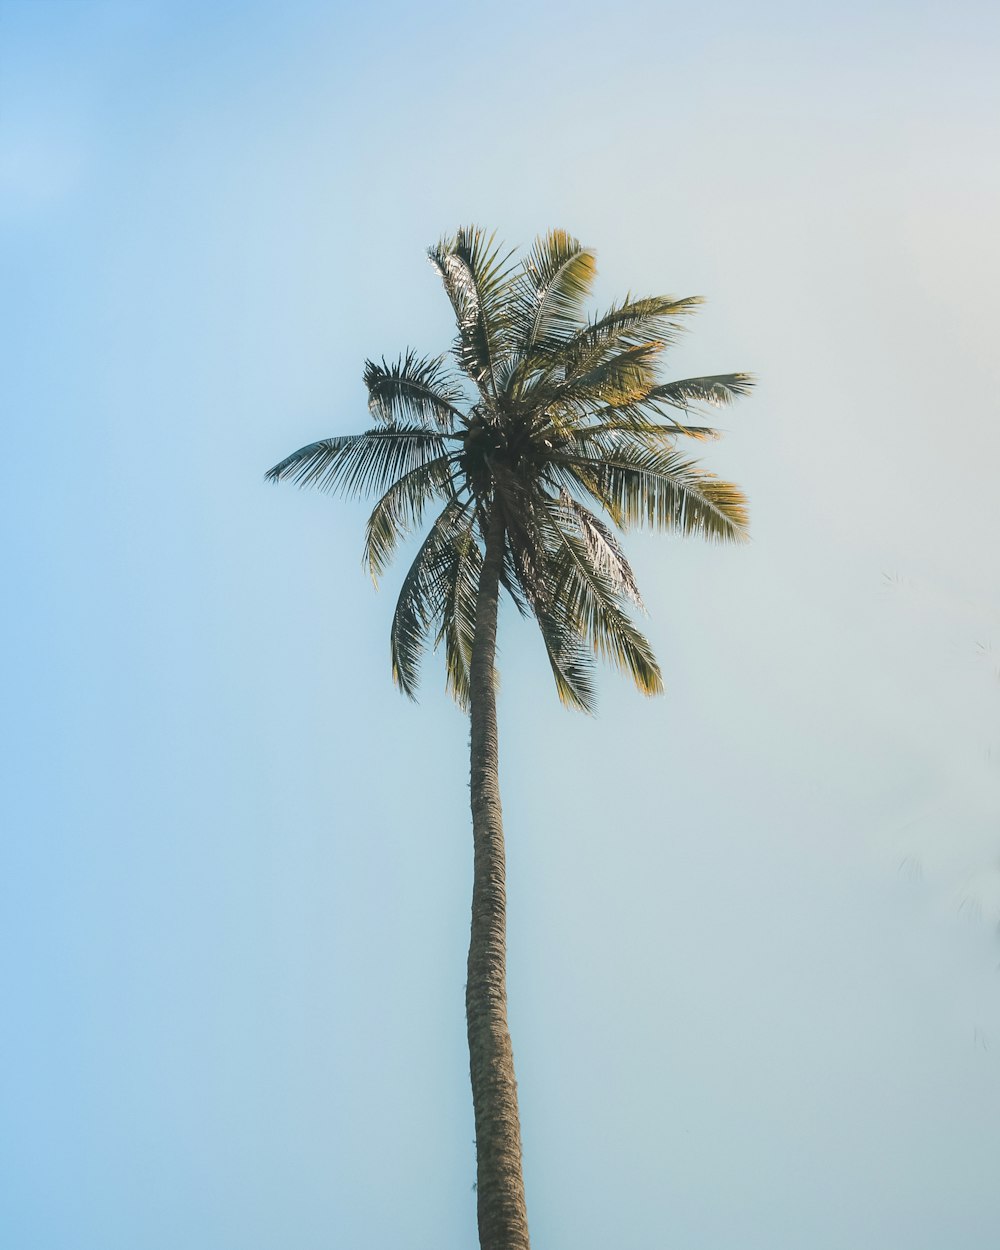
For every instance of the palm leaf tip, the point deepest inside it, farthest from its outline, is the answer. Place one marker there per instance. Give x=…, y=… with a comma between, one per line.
x=726, y=515
x=278, y=471
x=721, y=515
x=648, y=682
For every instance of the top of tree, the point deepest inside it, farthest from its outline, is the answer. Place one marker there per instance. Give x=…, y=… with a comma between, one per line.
x=540, y=413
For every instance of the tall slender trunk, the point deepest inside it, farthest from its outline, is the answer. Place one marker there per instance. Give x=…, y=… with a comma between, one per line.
x=503, y=1219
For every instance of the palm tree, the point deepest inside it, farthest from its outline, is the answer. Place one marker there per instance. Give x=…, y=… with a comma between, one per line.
x=548, y=411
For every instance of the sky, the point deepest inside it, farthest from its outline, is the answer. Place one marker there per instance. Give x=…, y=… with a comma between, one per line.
x=753, y=954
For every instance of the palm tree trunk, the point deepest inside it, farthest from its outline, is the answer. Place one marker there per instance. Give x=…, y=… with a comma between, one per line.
x=503, y=1220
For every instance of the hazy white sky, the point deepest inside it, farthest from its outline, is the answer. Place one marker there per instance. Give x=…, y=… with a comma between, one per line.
x=753, y=979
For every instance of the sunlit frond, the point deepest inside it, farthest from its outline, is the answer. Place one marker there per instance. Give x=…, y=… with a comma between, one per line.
x=655, y=485
x=414, y=390
x=603, y=548
x=633, y=322
x=547, y=303
x=355, y=464
x=622, y=378
x=591, y=601
x=478, y=279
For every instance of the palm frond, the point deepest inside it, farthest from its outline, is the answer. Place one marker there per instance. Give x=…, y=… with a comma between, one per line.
x=510, y=580
x=457, y=629
x=555, y=279
x=592, y=607
x=614, y=380
x=603, y=548
x=424, y=594
x=631, y=323
x=619, y=378
x=477, y=279
x=401, y=509
x=414, y=390
x=360, y=463
x=571, y=663
x=645, y=419
x=716, y=391
x=655, y=485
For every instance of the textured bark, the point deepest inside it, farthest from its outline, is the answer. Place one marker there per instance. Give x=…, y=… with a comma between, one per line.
x=503, y=1220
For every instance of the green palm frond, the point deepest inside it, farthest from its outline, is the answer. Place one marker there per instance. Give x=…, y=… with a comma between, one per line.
x=633, y=322
x=592, y=603
x=645, y=419
x=414, y=390
x=524, y=564
x=603, y=548
x=360, y=463
x=478, y=280
x=623, y=377
x=401, y=509
x=717, y=391
x=555, y=279
x=424, y=594
x=511, y=582
x=655, y=485
x=615, y=380
x=571, y=662
x=458, y=617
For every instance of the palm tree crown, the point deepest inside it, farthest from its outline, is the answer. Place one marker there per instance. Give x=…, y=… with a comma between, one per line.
x=549, y=411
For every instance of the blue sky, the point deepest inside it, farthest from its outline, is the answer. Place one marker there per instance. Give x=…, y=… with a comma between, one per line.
x=753, y=956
